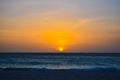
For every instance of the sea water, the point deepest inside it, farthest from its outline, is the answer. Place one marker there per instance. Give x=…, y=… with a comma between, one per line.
x=59, y=61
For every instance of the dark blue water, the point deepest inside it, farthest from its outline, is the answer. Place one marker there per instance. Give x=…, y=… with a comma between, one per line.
x=34, y=66
x=59, y=61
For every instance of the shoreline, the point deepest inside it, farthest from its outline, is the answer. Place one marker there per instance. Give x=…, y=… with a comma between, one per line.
x=45, y=74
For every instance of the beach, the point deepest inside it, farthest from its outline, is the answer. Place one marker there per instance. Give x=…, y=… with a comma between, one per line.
x=58, y=75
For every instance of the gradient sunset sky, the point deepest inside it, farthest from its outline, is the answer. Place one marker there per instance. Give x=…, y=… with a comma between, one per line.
x=48, y=25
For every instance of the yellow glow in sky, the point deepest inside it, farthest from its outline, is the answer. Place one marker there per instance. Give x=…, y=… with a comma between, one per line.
x=61, y=49
x=59, y=38
x=54, y=25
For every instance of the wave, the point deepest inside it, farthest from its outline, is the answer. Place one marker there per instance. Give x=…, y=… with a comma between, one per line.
x=28, y=62
x=108, y=69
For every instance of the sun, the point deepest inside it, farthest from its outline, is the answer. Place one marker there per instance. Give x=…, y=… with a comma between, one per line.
x=60, y=49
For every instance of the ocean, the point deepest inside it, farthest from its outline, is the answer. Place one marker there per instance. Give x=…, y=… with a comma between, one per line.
x=59, y=66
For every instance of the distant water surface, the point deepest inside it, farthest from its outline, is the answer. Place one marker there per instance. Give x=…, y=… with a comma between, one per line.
x=59, y=61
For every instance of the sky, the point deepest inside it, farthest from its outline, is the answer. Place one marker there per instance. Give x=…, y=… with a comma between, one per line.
x=53, y=25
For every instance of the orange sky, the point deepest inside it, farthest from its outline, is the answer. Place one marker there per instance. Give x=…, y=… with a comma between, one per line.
x=46, y=26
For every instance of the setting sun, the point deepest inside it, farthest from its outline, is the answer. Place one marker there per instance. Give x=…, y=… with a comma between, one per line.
x=59, y=39
x=60, y=49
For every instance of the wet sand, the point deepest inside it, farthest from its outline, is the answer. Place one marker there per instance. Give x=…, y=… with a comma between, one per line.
x=45, y=74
